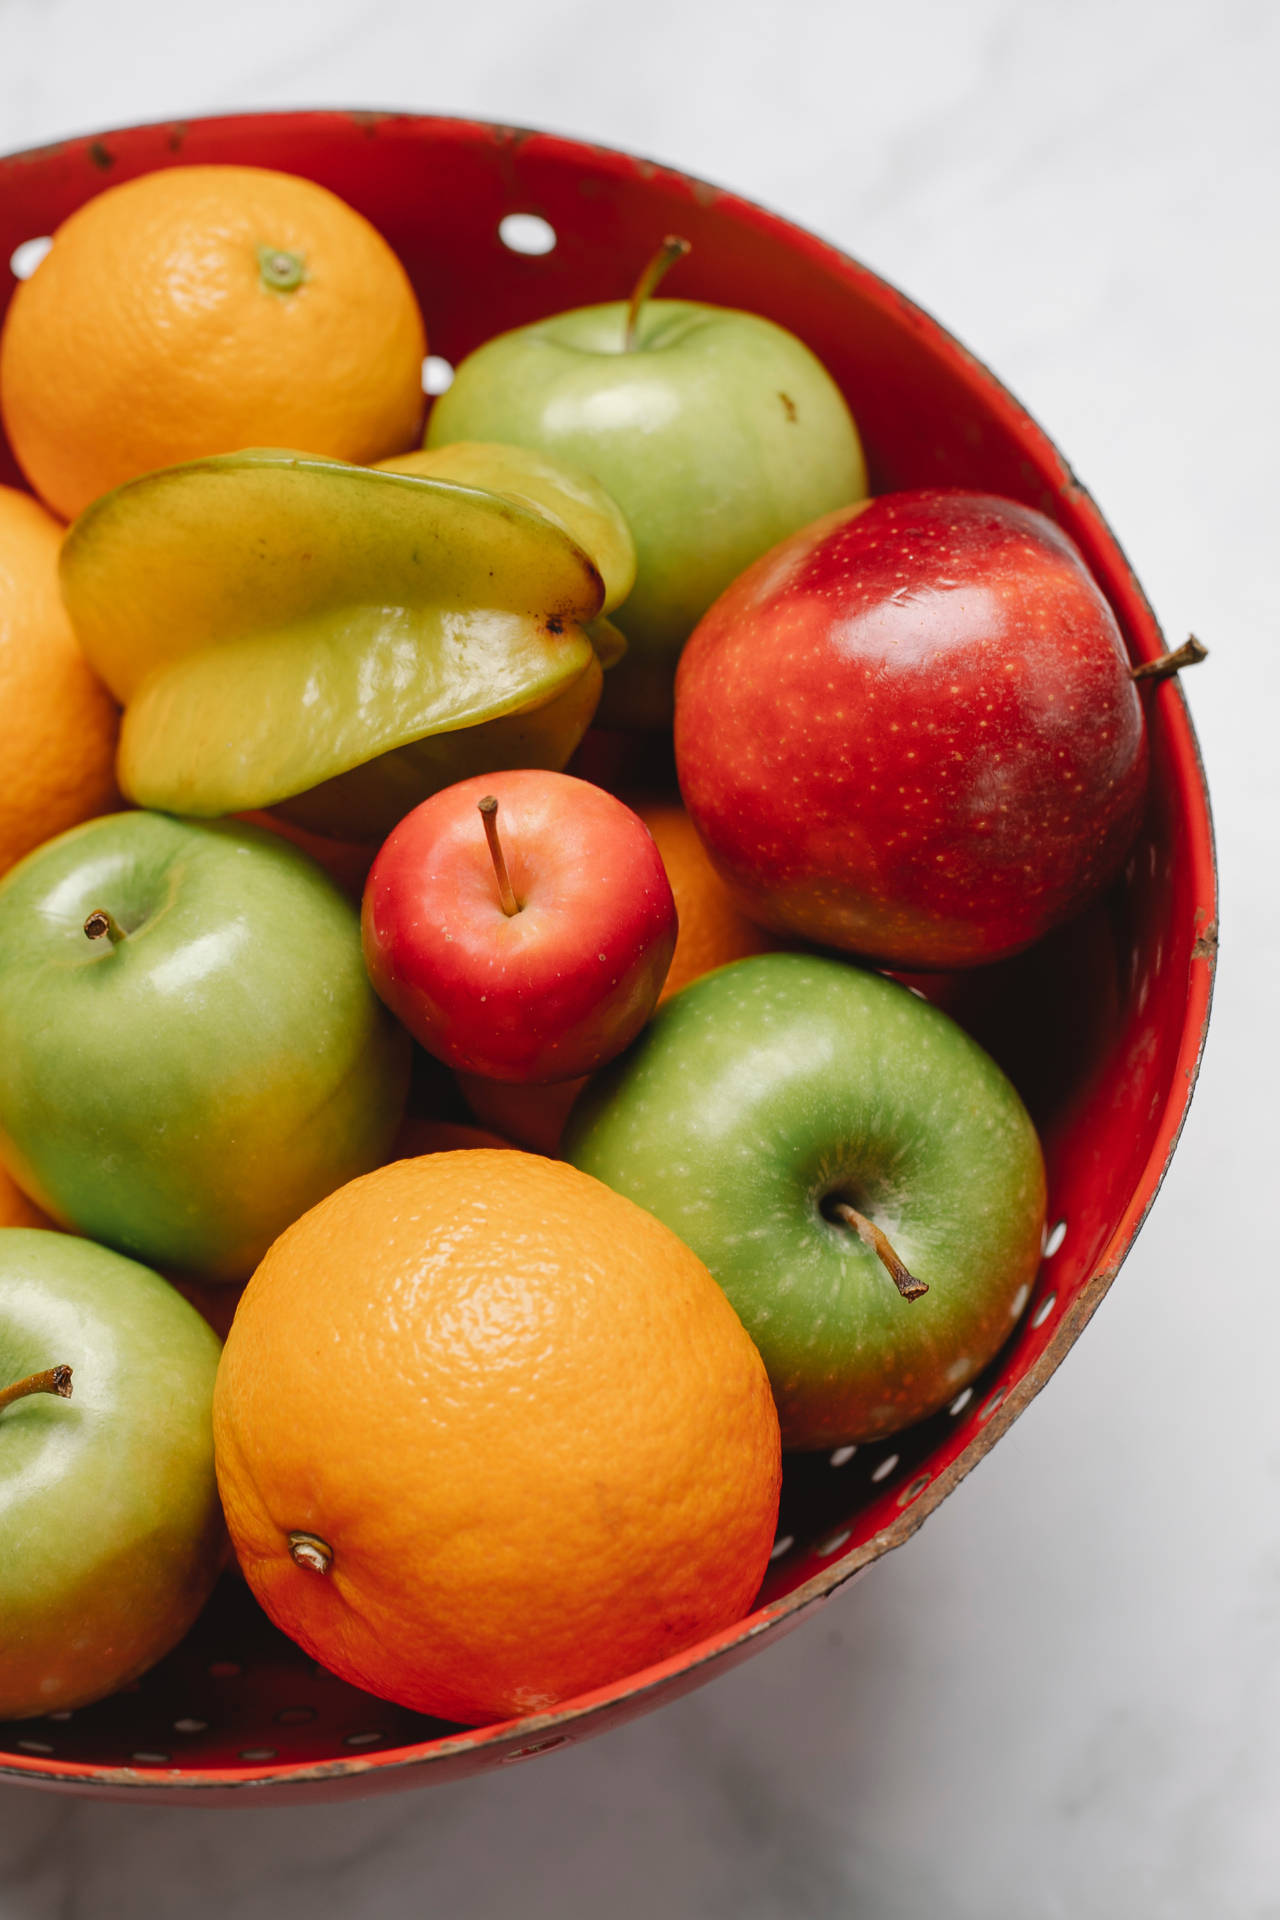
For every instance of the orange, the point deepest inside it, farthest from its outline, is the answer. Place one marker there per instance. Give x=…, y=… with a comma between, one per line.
x=488, y=1436
x=200, y=310
x=712, y=930
x=60, y=723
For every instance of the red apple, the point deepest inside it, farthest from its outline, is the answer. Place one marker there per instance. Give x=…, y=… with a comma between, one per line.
x=911, y=731
x=525, y=940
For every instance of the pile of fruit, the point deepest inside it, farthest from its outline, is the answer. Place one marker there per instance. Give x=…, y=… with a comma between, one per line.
x=552, y=1150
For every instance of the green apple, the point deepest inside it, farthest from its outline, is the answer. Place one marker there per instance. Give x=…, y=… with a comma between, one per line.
x=110, y=1528
x=717, y=433
x=278, y=628
x=783, y=1113
x=193, y=1054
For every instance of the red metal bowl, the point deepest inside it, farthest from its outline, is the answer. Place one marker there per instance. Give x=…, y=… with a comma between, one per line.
x=1101, y=1026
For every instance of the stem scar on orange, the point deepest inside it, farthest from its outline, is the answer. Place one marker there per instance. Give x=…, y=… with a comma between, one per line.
x=489, y=1435
x=251, y=308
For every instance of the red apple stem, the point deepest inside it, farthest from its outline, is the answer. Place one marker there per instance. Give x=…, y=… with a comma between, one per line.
x=1189, y=654
x=506, y=892
x=870, y=1235
x=56, y=1380
x=672, y=249
x=100, y=923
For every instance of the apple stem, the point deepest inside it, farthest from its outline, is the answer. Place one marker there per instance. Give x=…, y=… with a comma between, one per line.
x=99, y=923
x=672, y=249
x=56, y=1380
x=1189, y=654
x=506, y=892
x=870, y=1235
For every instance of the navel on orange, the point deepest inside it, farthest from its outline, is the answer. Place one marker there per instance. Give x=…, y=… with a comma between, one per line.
x=199, y=310
x=60, y=723
x=489, y=1436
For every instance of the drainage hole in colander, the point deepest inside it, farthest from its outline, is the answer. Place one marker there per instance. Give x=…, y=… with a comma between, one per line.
x=295, y=1716
x=437, y=374
x=842, y=1456
x=369, y=1739
x=526, y=233
x=35, y=1746
x=145, y=1758
x=782, y=1546
x=1045, y=1308
x=26, y=257
x=988, y=1407
x=189, y=1724
x=257, y=1753
x=1054, y=1239
x=914, y=1490
x=961, y=1401
x=883, y=1468
x=833, y=1543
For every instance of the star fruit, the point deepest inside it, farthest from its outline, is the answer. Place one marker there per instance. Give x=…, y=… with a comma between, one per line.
x=338, y=642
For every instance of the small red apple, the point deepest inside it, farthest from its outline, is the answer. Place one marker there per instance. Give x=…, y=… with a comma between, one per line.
x=911, y=731
x=530, y=950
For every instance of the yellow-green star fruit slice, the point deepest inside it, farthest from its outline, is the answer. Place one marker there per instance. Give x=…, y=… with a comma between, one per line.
x=367, y=802
x=370, y=799
x=273, y=622
x=573, y=498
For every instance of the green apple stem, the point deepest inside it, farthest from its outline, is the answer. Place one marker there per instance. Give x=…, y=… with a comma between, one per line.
x=506, y=892
x=1189, y=654
x=672, y=249
x=100, y=924
x=870, y=1235
x=56, y=1380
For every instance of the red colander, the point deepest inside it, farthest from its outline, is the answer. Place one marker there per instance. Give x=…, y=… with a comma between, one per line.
x=239, y=1716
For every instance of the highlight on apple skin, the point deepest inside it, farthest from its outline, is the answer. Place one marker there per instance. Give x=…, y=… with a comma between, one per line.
x=911, y=732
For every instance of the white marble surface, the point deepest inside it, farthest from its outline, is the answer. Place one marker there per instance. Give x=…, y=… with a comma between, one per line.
x=1063, y=1698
